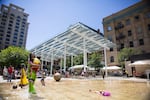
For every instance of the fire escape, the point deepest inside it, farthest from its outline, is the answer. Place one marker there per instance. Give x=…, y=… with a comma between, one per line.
x=119, y=36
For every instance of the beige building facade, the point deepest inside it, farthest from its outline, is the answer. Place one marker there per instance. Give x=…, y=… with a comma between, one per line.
x=13, y=26
x=128, y=28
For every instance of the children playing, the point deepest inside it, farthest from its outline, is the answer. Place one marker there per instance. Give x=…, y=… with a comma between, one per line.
x=104, y=93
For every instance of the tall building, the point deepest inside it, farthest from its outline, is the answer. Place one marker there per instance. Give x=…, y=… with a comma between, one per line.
x=129, y=27
x=13, y=26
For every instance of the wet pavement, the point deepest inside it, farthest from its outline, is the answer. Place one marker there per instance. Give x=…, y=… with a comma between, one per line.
x=78, y=89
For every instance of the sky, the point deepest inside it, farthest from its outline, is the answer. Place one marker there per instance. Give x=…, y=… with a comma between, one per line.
x=48, y=18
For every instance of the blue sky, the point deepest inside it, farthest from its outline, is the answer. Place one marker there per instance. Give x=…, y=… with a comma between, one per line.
x=49, y=18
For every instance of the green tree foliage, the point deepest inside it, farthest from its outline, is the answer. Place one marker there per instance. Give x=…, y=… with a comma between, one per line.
x=126, y=53
x=78, y=60
x=95, y=60
x=13, y=56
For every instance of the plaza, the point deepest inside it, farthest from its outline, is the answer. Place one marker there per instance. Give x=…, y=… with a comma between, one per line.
x=121, y=88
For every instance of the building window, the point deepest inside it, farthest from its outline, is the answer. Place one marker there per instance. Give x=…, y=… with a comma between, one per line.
x=141, y=42
x=137, y=17
x=109, y=38
x=129, y=33
x=8, y=35
x=112, y=59
x=131, y=44
x=148, y=15
x=148, y=27
x=109, y=28
x=128, y=22
x=1, y=38
x=12, y=15
x=121, y=46
x=139, y=30
x=111, y=49
x=7, y=39
x=1, y=30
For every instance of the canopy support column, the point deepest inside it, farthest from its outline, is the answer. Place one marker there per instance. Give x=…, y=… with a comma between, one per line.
x=65, y=59
x=71, y=60
x=85, y=55
x=42, y=64
x=52, y=61
x=61, y=65
x=105, y=62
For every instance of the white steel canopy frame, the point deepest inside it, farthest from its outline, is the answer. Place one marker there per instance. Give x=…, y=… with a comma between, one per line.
x=78, y=39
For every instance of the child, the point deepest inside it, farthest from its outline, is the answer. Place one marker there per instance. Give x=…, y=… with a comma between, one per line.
x=104, y=93
x=23, y=78
x=43, y=76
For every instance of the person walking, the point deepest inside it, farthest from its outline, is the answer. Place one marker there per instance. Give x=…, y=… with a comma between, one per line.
x=10, y=71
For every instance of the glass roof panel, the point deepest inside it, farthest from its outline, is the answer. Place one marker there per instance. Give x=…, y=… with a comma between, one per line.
x=73, y=40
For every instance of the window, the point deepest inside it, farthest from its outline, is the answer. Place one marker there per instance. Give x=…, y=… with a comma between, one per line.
x=7, y=39
x=10, y=21
x=148, y=27
x=18, y=17
x=9, y=28
x=1, y=30
x=110, y=37
x=141, y=42
x=139, y=30
x=128, y=22
x=109, y=28
x=10, y=25
x=129, y=33
x=131, y=44
x=20, y=43
x=12, y=15
x=121, y=46
x=111, y=59
x=137, y=17
x=148, y=15
x=8, y=35
x=21, y=35
x=6, y=42
x=15, y=37
x=14, y=41
x=111, y=49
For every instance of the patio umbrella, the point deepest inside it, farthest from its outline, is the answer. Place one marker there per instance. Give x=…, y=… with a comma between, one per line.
x=112, y=68
x=141, y=62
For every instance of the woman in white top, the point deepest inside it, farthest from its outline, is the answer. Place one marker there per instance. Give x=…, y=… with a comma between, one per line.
x=5, y=72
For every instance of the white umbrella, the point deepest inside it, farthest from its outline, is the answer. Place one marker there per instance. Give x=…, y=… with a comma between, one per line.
x=111, y=68
x=141, y=62
x=78, y=67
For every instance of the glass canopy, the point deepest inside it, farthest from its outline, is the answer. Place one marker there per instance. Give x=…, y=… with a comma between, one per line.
x=77, y=39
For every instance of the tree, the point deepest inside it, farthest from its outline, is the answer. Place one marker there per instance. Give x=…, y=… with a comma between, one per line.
x=126, y=53
x=78, y=60
x=95, y=60
x=14, y=56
